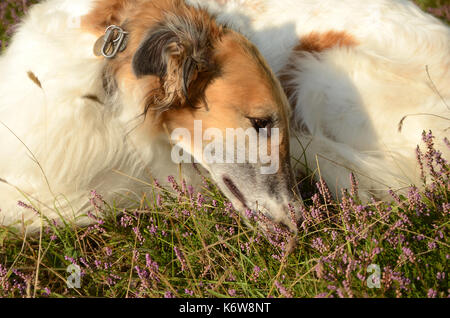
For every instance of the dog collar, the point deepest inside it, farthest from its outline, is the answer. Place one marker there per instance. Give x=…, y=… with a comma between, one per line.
x=112, y=42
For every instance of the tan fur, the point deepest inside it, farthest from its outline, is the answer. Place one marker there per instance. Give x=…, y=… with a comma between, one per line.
x=243, y=90
x=318, y=42
x=106, y=13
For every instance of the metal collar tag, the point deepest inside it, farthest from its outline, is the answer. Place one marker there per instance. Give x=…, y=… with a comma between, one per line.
x=114, y=41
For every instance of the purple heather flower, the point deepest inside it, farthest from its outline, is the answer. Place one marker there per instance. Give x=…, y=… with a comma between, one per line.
x=447, y=142
x=250, y=214
x=324, y=190
x=98, y=263
x=28, y=207
x=361, y=277
x=108, y=251
x=200, y=200
x=347, y=288
x=255, y=275
x=190, y=190
x=180, y=258
x=70, y=259
x=283, y=291
x=168, y=294
x=135, y=255
x=409, y=255
x=432, y=245
x=139, y=236
x=395, y=197
x=152, y=228
x=415, y=201
x=95, y=200
x=419, y=159
x=354, y=185
x=334, y=235
x=143, y=276
x=293, y=215
x=432, y=293
x=126, y=221
x=158, y=200
x=446, y=207
x=83, y=261
x=318, y=244
x=153, y=268
x=175, y=185
x=47, y=291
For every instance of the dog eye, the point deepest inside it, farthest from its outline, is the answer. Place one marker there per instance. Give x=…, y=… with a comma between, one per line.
x=261, y=123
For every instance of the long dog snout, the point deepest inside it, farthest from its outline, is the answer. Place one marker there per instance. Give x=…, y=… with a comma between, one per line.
x=269, y=197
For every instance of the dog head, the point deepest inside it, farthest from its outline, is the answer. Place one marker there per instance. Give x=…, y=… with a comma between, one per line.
x=201, y=80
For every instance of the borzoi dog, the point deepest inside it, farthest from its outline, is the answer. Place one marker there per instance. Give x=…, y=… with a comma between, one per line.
x=91, y=92
x=86, y=109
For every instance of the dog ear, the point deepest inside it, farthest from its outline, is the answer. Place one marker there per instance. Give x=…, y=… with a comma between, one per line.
x=178, y=51
x=154, y=53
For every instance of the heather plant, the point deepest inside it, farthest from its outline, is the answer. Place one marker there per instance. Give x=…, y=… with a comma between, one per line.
x=10, y=13
x=181, y=241
x=439, y=8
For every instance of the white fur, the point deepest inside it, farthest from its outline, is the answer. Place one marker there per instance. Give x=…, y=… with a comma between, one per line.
x=57, y=146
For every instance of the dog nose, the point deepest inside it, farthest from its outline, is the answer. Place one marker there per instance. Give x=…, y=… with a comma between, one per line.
x=281, y=219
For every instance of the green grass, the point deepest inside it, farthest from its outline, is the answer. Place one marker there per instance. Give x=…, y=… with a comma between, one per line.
x=185, y=244
x=431, y=3
x=133, y=252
